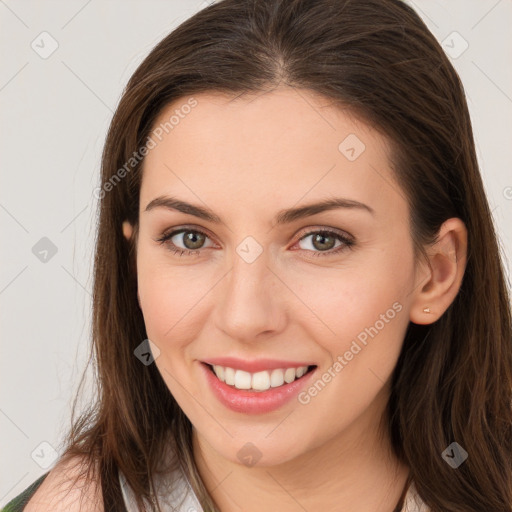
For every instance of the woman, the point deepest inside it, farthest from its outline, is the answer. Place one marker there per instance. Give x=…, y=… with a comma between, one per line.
x=299, y=302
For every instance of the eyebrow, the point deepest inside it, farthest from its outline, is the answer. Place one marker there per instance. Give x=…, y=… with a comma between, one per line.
x=283, y=216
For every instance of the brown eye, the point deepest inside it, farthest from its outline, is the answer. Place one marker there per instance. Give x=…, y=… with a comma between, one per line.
x=192, y=240
x=325, y=241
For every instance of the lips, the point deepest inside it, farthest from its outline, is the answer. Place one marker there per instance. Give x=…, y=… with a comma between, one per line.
x=249, y=401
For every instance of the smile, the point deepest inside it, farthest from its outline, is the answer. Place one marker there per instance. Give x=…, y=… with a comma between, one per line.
x=258, y=381
x=259, y=391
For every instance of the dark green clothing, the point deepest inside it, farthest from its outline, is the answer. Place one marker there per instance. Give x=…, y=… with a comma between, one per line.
x=18, y=503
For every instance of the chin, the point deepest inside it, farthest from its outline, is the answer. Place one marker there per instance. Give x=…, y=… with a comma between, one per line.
x=259, y=452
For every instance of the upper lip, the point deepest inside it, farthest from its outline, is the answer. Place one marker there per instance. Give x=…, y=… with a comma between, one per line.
x=256, y=365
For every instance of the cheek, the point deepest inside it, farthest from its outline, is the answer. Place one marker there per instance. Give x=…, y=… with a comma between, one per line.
x=346, y=300
x=165, y=303
x=169, y=302
x=172, y=298
x=336, y=304
x=159, y=292
x=361, y=323
x=359, y=313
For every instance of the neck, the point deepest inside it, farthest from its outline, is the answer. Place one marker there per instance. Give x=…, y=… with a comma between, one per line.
x=353, y=471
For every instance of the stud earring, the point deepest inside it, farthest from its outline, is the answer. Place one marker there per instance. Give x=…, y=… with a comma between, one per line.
x=426, y=310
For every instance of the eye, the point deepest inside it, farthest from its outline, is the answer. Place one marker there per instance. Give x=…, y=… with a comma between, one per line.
x=193, y=241
x=323, y=241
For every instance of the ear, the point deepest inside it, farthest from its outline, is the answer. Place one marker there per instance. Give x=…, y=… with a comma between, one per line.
x=437, y=287
x=127, y=230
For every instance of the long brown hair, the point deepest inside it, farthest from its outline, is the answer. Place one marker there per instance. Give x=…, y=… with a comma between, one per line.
x=378, y=60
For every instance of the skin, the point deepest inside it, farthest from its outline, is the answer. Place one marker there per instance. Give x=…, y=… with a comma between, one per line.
x=246, y=159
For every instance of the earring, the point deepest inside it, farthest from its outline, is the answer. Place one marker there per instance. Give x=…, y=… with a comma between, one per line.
x=426, y=310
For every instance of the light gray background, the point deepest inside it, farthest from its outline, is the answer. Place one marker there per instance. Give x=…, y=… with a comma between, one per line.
x=55, y=113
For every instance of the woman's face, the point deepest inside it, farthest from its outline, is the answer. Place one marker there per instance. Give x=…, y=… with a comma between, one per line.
x=270, y=290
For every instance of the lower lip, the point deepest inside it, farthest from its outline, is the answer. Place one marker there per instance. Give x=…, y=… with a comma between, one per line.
x=254, y=402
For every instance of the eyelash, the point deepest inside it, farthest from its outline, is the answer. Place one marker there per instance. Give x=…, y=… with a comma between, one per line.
x=348, y=243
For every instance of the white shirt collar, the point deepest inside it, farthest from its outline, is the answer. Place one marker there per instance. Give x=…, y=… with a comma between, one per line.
x=174, y=494
x=181, y=498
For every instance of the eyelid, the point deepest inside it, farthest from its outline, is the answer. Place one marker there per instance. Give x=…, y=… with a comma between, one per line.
x=315, y=229
x=190, y=227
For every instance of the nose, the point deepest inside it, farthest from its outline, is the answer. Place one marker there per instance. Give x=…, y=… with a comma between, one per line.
x=250, y=301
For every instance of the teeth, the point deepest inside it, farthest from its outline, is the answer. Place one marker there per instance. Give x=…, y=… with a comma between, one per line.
x=219, y=371
x=259, y=381
x=229, y=375
x=289, y=375
x=242, y=380
x=300, y=372
x=276, y=378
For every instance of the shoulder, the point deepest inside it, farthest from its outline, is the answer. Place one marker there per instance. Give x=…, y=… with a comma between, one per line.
x=60, y=493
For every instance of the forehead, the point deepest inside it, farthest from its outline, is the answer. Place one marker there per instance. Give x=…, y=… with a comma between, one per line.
x=280, y=146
